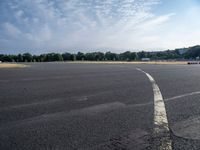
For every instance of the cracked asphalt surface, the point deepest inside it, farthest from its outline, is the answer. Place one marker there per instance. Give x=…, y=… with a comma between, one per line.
x=62, y=106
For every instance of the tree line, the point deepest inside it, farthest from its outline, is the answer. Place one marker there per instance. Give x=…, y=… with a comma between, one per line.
x=177, y=54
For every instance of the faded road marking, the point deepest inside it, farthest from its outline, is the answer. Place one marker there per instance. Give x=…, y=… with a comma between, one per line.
x=91, y=110
x=184, y=95
x=161, y=127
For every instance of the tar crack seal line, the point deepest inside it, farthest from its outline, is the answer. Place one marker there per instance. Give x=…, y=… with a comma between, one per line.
x=162, y=139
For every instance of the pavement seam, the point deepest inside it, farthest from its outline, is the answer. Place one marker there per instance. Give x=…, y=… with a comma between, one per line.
x=161, y=127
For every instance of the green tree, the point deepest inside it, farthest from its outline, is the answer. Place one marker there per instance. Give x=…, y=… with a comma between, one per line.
x=19, y=58
x=80, y=56
x=110, y=56
x=7, y=58
x=57, y=57
x=128, y=56
x=27, y=57
x=141, y=55
x=89, y=56
x=67, y=56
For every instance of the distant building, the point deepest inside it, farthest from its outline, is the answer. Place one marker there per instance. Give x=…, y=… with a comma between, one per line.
x=145, y=59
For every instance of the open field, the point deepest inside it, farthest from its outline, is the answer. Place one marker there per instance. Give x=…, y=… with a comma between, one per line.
x=69, y=106
x=11, y=65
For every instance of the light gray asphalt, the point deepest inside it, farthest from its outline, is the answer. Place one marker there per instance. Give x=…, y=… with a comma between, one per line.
x=95, y=106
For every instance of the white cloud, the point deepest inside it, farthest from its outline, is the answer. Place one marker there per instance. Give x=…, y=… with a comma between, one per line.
x=11, y=30
x=44, y=34
x=88, y=24
x=156, y=21
x=19, y=14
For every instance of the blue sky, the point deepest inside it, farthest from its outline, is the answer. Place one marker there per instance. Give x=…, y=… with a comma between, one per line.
x=42, y=26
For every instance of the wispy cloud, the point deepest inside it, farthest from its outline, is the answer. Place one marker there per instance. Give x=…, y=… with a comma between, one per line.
x=80, y=25
x=11, y=30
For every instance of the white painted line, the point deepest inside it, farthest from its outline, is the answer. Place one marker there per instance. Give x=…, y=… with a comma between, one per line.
x=184, y=95
x=161, y=127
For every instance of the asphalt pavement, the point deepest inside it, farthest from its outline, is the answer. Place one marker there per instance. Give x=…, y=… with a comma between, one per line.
x=64, y=106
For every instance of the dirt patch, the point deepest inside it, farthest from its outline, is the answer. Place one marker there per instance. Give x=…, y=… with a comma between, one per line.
x=11, y=65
